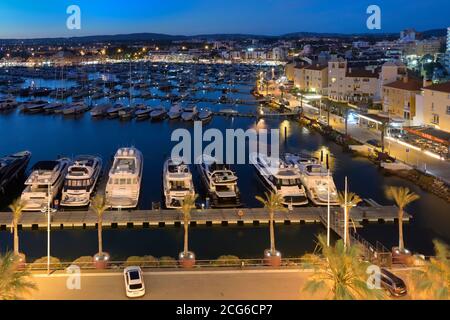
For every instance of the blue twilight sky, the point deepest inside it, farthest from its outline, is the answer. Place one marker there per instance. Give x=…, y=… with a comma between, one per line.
x=47, y=18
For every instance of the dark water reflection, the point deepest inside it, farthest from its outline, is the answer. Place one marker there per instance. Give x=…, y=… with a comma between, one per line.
x=50, y=136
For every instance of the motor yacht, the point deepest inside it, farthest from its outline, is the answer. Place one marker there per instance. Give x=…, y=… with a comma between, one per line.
x=100, y=110
x=177, y=183
x=158, y=113
x=281, y=178
x=315, y=178
x=125, y=176
x=221, y=184
x=44, y=184
x=175, y=112
x=143, y=113
x=205, y=115
x=80, y=181
x=11, y=167
x=189, y=113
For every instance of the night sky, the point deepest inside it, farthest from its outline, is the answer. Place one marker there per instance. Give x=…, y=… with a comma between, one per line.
x=47, y=18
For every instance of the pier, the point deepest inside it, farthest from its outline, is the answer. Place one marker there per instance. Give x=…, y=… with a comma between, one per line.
x=208, y=217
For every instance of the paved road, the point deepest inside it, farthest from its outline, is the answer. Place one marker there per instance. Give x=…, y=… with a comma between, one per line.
x=241, y=285
x=183, y=285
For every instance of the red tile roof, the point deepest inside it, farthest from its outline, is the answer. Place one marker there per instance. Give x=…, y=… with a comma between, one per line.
x=442, y=87
x=410, y=85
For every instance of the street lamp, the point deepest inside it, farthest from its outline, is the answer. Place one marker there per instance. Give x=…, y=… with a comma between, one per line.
x=328, y=208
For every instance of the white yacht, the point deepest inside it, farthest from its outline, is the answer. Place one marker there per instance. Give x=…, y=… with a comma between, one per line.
x=281, y=178
x=45, y=175
x=177, y=183
x=189, y=113
x=80, y=181
x=315, y=178
x=221, y=184
x=125, y=176
x=175, y=112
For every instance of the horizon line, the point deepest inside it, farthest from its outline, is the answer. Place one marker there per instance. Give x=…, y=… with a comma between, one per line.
x=374, y=33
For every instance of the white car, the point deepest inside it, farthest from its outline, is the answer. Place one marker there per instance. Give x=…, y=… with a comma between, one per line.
x=134, y=282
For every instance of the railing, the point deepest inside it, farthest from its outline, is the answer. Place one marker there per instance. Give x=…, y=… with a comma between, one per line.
x=286, y=263
x=378, y=254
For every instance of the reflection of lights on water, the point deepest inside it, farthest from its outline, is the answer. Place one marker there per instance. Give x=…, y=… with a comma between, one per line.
x=285, y=128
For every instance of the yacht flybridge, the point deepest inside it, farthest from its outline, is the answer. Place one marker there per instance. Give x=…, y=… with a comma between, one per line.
x=125, y=176
x=316, y=179
x=221, y=184
x=80, y=181
x=45, y=181
x=177, y=183
x=281, y=178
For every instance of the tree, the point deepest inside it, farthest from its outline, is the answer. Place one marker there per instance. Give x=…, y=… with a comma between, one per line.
x=99, y=206
x=402, y=197
x=273, y=202
x=339, y=272
x=433, y=281
x=16, y=208
x=13, y=281
x=352, y=201
x=186, y=208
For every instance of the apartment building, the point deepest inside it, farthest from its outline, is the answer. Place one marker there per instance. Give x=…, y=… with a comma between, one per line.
x=399, y=98
x=351, y=84
x=436, y=100
x=312, y=78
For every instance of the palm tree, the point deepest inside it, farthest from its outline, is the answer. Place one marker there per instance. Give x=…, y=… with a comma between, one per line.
x=402, y=197
x=16, y=208
x=13, y=280
x=339, y=272
x=273, y=202
x=433, y=281
x=352, y=201
x=99, y=206
x=186, y=208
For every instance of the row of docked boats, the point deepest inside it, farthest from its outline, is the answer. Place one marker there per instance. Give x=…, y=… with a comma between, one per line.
x=298, y=179
x=139, y=111
x=75, y=180
x=142, y=112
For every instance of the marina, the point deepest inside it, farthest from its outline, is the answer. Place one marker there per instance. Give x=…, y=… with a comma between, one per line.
x=101, y=131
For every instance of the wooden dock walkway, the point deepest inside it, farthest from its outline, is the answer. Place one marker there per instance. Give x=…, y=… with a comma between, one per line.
x=147, y=218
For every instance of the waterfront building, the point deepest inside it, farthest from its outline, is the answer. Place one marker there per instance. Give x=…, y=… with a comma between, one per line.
x=351, y=84
x=312, y=78
x=437, y=106
x=399, y=98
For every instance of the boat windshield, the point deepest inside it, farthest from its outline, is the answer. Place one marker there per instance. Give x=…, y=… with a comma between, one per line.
x=225, y=188
x=123, y=181
x=179, y=185
x=287, y=182
x=78, y=183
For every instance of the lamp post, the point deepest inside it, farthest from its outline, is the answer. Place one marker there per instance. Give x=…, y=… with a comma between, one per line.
x=345, y=213
x=49, y=187
x=328, y=209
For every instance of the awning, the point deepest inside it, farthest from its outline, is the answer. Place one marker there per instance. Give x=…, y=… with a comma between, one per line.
x=432, y=134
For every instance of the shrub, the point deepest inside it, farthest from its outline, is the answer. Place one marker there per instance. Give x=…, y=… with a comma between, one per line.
x=84, y=262
x=167, y=262
x=228, y=260
x=146, y=261
x=41, y=263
